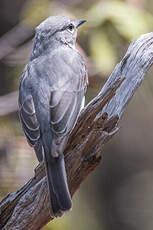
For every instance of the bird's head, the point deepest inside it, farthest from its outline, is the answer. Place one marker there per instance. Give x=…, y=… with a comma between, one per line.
x=56, y=30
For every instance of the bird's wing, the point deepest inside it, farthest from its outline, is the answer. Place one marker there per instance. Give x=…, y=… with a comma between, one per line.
x=64, y=110
x=28, y=117
x=66, y=99
x=30, y=125
x=29, y=120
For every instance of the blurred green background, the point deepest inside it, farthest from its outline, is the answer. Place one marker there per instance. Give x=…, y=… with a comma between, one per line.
x=119, y=193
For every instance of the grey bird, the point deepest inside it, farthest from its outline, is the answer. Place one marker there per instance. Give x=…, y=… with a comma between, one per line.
x=51, y=94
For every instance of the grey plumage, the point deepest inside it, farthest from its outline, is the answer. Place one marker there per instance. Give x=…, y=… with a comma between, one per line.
x=52, y=87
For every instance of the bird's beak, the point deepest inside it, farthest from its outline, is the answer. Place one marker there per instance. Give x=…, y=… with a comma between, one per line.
x=79, y=22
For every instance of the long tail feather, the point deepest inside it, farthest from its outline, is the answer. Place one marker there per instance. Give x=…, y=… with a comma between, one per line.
x=57, y=183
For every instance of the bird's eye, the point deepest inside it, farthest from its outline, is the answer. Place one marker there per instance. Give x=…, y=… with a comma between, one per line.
x=71, y=27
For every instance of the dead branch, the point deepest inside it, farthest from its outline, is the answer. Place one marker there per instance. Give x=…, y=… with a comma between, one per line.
x=28, y=208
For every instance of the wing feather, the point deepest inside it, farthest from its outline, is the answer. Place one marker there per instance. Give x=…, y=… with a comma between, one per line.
x=64, y=115
x=29, y=121
x=66, y=98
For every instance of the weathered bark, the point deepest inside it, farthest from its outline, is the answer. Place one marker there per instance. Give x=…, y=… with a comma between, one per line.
x=28, y=208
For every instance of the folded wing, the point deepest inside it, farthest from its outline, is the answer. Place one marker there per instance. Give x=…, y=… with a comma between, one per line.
x=64, y=110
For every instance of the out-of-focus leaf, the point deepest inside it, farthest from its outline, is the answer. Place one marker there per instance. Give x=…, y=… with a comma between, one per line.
x=35, y=11
x=102, y=52
x=127, y=19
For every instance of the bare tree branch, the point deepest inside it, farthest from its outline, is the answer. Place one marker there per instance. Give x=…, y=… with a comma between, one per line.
x=28, y=208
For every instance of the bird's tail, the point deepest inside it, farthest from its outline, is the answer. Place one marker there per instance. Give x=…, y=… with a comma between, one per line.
x=57, y=183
